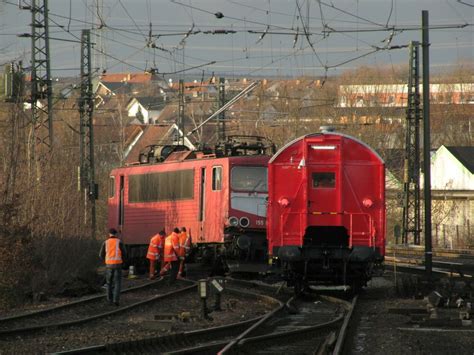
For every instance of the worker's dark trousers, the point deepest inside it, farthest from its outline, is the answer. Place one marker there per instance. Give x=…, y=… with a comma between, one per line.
x=174, y=271
x=113, y=278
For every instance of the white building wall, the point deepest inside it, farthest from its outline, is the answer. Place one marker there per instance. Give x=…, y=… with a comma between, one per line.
x=147, y=115
x=447, y=173
x=453, y=223
x=132, y=111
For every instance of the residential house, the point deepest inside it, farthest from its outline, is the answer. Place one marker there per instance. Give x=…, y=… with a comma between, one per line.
x=145, y=109
x=113, y=84
x=105, y=92
x=146, y=135
x=452, y=168
x=164, y=135
x=197, y=90
x=452, y=185
x=133, y=78
x=396, y=95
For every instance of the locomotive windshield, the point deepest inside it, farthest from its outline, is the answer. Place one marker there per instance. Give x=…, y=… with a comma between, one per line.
x=249, y=178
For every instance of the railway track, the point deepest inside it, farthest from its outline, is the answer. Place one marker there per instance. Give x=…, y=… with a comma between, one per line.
x=84, y=325
x=451, y=268
x=307, y=325
x=437, y=252
x=209, y=340
x=82, y=300
x=300, y=325
x=460, y=261
x=89, y=309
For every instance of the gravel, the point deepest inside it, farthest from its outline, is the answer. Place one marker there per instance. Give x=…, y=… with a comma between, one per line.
x=138, y=323
x=376, y=331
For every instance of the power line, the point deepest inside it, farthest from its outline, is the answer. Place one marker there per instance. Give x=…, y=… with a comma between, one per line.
x=135, y=30
x=131, y=18
x=220, y=15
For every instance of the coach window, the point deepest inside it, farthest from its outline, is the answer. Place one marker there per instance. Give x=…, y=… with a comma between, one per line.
x=216, y=178
x=324, y=180
x=111, y=186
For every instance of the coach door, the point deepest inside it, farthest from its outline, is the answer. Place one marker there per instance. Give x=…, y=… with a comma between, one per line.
x=322, y=191
x=324, y=182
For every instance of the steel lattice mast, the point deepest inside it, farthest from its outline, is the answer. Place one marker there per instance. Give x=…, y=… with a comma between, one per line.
x=411, y=186
x=86, y=107
x=41, y=84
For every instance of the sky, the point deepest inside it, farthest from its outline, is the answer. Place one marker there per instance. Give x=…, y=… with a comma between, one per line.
x=242, y=37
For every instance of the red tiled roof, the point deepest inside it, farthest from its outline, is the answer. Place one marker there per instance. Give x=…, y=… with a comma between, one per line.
x=127, y=77
x=152, y=134
x=130, y=132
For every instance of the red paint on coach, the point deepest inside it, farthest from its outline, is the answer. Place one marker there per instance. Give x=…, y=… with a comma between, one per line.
x=326, y=179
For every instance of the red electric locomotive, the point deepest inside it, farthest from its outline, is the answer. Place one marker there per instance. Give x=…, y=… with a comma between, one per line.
x=219, y=196
x=326, y=210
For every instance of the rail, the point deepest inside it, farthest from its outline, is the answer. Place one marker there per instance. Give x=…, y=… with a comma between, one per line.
x=82, y=301
x=297, y=330
x=98, y=311
x=208, y=340
x=420, y=250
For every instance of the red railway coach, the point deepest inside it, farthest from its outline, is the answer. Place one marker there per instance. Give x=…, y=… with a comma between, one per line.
x=220, y=200
x=326, y=210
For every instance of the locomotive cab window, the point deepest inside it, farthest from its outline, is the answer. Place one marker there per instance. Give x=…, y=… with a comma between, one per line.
x=324, y=180
x=111, y=186
x=249, y=178
x=216, y=178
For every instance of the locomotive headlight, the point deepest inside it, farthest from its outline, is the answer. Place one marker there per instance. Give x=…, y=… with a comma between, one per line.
x=244, y=222
x=234, y=221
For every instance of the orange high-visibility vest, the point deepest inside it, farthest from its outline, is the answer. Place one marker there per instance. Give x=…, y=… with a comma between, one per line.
x=156, y=244
x=184, y=244
x=113, y=254
x=171, y=247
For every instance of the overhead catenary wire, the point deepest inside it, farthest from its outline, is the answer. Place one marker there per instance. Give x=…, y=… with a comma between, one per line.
x=226, y=16
x=307, y=36
x=135, y=30
x=131, y=18
x=227, y=105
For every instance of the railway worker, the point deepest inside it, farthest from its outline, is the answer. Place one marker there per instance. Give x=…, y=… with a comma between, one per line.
x=184, y=249
x=162, y=250
x=170, y=255
x=113, y=253
x=154, y=252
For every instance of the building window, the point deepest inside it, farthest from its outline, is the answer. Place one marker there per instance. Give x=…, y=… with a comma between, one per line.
x=324, y=180
x=374, y=101
x=111, y=186
x=391, y=100
x=343, y=102
x=216, y=178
